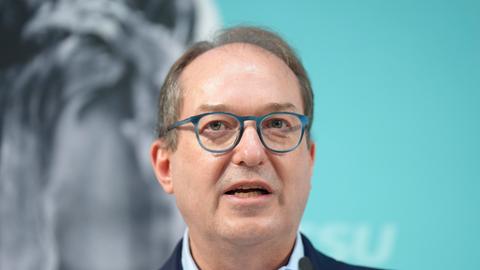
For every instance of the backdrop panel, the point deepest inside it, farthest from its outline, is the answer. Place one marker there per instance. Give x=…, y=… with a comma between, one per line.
x=397, y=125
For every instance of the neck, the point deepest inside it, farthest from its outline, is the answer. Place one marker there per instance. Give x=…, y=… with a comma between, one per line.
x=233, y=255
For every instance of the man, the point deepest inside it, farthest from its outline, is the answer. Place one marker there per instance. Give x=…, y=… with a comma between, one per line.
x=234, y=149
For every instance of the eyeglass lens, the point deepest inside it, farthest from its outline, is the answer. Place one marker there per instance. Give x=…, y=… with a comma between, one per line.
x=279, y=131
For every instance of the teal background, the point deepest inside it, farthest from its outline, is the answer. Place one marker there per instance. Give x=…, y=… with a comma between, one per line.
x=397, y=106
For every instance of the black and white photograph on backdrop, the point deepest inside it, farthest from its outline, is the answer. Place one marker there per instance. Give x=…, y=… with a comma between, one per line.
x=79, y=80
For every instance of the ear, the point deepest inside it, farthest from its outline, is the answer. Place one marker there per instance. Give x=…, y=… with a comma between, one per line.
x=312, y=154
x=160, y=159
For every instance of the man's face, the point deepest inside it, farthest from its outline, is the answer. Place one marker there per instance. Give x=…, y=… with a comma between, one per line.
x=244, y=80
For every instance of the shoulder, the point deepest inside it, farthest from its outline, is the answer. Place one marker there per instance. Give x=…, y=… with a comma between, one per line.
x=174, y=262
x=322, y=261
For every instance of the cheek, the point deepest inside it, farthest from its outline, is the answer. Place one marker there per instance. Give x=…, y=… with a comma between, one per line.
x=195, y=169
x=295, y=174
x=189, y=192
x=195, y=173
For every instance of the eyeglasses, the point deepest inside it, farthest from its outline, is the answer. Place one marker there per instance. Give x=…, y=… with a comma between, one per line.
x=220, y=132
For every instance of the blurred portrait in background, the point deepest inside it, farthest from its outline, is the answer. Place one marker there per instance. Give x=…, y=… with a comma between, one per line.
x=78, y=87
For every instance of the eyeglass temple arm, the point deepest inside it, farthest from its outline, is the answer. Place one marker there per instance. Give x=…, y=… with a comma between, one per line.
x=192, y=119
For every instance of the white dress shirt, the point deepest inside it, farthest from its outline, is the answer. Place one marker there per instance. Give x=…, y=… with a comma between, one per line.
x=189, y=264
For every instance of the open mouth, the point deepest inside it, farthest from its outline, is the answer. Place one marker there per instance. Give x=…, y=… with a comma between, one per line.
x=248, y=192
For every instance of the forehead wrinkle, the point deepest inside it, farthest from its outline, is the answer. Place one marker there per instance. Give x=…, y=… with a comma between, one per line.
x=267, y=108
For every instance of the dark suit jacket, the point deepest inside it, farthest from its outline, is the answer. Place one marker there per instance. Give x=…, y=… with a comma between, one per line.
x=319, y=261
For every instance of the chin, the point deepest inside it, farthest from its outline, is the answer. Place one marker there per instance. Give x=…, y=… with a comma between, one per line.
x=251, y=231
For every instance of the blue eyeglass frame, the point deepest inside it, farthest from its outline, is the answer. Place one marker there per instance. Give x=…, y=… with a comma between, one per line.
x=241, y=119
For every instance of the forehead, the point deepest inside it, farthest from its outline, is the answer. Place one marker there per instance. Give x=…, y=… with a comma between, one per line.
x=240, y=77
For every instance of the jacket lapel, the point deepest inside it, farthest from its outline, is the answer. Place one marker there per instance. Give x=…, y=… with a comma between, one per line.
x=174, y=262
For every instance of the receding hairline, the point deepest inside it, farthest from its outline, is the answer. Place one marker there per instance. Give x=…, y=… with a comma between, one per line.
x=238, y=47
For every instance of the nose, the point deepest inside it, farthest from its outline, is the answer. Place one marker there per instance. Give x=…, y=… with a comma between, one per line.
x=250, y=151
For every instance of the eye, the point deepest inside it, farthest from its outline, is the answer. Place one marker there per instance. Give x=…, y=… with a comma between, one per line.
x=215, y=125
x=217, y=130
x=276, y=123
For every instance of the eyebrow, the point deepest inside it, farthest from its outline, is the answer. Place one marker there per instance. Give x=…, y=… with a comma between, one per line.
x=269, y=107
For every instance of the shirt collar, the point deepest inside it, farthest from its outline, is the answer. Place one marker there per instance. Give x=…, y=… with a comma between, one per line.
x=189, y=264
x=187, y=260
